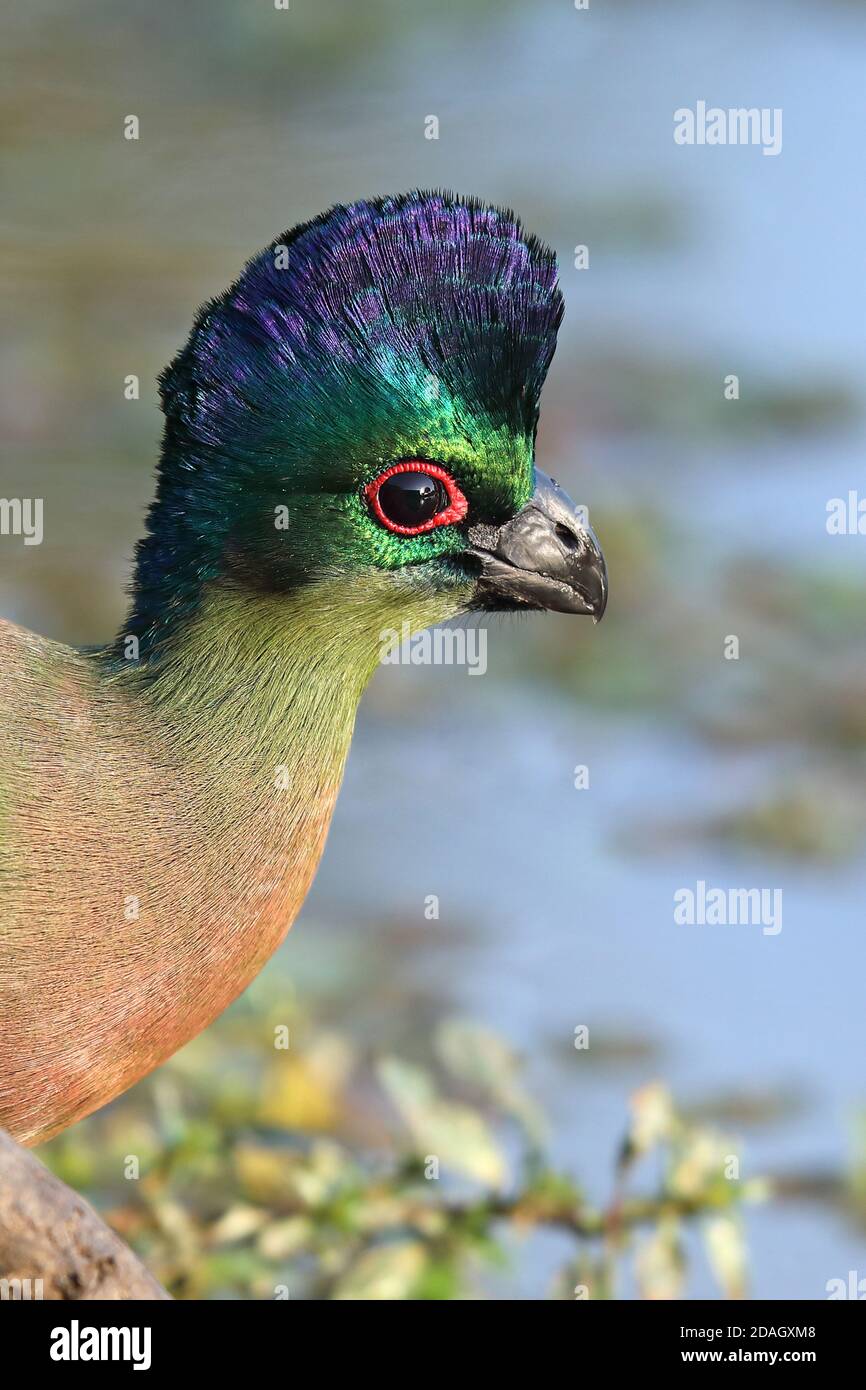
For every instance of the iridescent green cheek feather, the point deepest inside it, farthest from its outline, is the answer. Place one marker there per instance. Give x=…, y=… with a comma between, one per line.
x=349, y=446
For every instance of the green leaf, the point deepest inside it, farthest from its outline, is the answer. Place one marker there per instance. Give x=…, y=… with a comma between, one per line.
x=442, y=1129
x=659, y=1263
x=388, y=1272
x=726, y=1251
x=475, y=1055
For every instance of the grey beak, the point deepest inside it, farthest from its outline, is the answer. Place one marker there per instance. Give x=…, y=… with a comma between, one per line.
x=545, y=557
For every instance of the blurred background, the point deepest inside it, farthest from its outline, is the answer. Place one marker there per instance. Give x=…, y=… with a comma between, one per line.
x=599, y=1168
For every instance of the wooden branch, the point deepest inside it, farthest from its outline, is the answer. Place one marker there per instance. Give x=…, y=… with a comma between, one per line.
x=50, y=1234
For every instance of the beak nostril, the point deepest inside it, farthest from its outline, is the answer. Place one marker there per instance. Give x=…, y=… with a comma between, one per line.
x=568, y=538
x=546, y=556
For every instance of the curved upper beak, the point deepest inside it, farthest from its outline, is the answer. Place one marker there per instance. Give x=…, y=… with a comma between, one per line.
x=545, y=557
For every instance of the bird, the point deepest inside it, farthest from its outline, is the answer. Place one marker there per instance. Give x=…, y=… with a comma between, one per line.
x=348, y=448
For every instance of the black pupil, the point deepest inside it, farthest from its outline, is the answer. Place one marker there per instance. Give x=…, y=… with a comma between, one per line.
x=410, y=499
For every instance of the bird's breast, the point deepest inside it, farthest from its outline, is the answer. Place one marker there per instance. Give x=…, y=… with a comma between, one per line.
x=143, y=899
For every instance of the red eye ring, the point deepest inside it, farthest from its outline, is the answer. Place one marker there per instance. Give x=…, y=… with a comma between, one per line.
x=455, y=510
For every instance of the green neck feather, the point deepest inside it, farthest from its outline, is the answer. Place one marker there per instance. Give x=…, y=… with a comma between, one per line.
x=255, y=684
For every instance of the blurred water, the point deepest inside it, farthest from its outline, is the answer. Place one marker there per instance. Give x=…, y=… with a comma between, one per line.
x=573, y=932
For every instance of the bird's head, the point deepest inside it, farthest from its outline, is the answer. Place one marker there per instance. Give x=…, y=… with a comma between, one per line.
x=357, y=414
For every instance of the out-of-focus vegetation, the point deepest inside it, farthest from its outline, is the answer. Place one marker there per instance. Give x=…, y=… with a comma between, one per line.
x=270, y=1160
x=278, y=1157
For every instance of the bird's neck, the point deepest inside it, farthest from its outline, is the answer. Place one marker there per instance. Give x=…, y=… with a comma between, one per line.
x=253, y=681
x=256, y=699
x=259, y=694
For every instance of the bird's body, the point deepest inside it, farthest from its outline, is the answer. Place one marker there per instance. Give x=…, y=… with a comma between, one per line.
x=164, y=802
x=165, y=855
x=159, y=837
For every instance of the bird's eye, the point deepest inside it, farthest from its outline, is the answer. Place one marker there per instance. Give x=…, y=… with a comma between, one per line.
x=415, y=496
